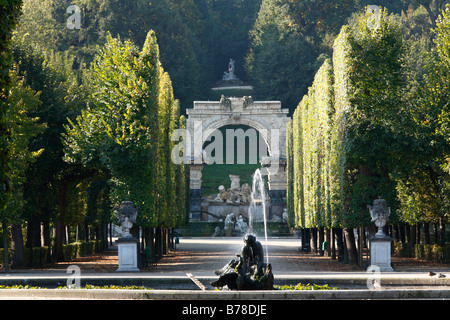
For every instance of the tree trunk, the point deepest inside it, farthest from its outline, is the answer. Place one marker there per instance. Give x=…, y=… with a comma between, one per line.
x=17, y=246
x=351, y=246
x=5, y=247
x=436, y=233
x=151, y=241
x=329, y=240
x=360, y=246
x=431, y=14
x=110, y=233
x=158, y=249
x=426, y=233
x=167, y=240
x=45, y=234
x=34, y=232
x=442, y=231
x=321, y=240
x=340, y=244
x=314, y=240
x=417, y=233
x=164, y=233
x=58, y=253
x=333, y=243
x=412, y=239
x=86, y=231
x=306, y=240
x=68, y=236
x=402, y=233
x=397, y=233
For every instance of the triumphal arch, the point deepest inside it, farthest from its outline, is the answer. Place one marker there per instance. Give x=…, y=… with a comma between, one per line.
x=267, y=117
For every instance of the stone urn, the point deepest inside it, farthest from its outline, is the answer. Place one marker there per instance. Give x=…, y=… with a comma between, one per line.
x=379, y=213
x=127, y=244
x=380, y=244
x=126, y=215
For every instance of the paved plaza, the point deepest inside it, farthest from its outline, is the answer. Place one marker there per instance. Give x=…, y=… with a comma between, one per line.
x=202, y=256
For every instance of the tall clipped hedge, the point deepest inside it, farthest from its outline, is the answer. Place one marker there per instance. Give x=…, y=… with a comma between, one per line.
x=338, y=162
x=126, y=131
x=297, y=159
x=345, y=131
x=310, y=159
x=290, y=174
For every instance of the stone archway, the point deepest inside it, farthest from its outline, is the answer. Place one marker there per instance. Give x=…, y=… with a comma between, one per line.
x=267, y=117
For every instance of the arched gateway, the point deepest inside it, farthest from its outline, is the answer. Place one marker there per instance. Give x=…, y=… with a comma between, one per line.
x=267, y=117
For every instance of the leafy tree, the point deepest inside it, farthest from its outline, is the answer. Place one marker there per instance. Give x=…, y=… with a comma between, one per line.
x=9, y=14
x=289, y=42
x=10, y=11
x=347, y=132
x=117, y=133
x=23, y=100
x=125, y=131
x=49, y=73
x=423, y=186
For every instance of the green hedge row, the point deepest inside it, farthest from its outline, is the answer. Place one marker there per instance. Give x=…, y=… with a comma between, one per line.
x=81, y=249
x=430, y=252
x=340, y=140
x=39, y=256
x=2, y=252
x=433, y=252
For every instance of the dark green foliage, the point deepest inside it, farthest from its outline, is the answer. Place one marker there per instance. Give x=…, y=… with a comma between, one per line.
x=126, y=131
x=9, y=14
x=346, y=131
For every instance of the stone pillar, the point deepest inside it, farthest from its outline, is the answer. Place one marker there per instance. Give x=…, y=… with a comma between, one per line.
x=276, y=202
x=380, y=244
x=380, y=253
x=128, y=254
x=195, y=192
x=277, y=187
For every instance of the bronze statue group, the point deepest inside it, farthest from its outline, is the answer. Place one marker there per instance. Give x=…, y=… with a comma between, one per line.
x=248, y=271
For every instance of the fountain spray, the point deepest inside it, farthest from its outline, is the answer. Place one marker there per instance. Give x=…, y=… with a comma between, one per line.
x=258, y=196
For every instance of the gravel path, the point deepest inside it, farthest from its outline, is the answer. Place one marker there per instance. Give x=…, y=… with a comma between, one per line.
x=205, y=255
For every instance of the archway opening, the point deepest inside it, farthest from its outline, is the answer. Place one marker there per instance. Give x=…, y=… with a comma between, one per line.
x=232, y=149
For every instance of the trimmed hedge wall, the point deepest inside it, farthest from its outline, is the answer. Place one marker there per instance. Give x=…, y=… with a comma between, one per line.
x=36, y=257
x=429, y=252
x=2, y=252
x=344, y=132
x=39, y=256
x=433, y=252
x=81, y=249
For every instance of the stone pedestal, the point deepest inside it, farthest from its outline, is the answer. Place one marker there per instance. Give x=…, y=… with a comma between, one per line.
x=128, y=254
x=380, y=253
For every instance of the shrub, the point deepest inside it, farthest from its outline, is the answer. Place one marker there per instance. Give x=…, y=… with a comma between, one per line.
x=402, y=249
x=71, y=251
x=433, y=252
x=87, y=248
x=2, y=260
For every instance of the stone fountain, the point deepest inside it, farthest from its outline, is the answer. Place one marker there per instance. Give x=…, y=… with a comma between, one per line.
x=238, y=207
x=248, y=271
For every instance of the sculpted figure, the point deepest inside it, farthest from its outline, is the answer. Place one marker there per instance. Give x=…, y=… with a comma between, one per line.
x=241, y=224
x=222, y=195
x=379, y=213
x=248, y=272
x=126, y=215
